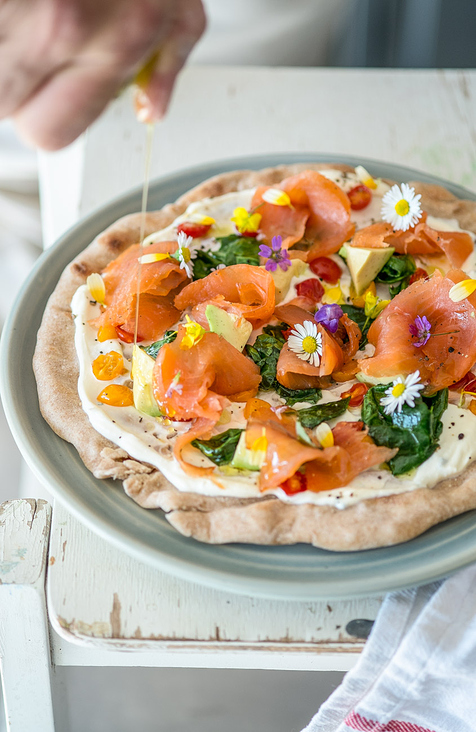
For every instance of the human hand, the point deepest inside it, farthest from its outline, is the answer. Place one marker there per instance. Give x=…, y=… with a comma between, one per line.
x=61, y=61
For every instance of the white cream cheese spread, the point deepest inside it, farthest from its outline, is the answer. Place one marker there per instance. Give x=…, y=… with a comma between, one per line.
x=150, y=440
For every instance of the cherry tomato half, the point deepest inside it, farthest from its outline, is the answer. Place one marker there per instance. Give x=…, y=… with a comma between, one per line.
x=108, y=365
x=295, y=484
x=190, y=228
x=356, y=394
x=326, y=269
x=463, y=383
x=419, y=274
x=359, y=197
x=125, y=336
x=116, y=395
x=310, y=288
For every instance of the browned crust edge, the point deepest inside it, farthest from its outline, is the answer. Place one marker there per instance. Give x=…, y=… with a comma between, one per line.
x=371, y=523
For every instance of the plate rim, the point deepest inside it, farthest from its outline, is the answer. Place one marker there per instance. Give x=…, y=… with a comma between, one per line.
x=210, y=576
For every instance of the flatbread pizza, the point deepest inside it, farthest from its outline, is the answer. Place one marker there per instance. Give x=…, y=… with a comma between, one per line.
x=287, y=358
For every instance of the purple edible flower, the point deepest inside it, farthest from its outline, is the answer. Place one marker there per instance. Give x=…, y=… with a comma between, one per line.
x=275, y=254
x=329, y=316
x=420, y=329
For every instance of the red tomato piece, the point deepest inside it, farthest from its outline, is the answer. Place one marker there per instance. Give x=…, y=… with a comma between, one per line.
x=310, y=288
x=326, y=269
x=125, y=336
x=189, y=228
x=287, y=332
x=464, y=382
x=356, y=394
x=295, y=484
x=359, y=197
x=419, y=274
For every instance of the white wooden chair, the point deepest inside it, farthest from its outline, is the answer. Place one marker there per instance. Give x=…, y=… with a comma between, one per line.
x=69, y=598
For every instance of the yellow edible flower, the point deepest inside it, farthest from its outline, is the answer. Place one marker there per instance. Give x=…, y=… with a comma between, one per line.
x=261, y=443
x=246, y=221
x=149, y=258
x=462, y=290
x=277, y=197
x=193, y=334
x=324, y=435
x=96, y=287
x=333, y=295
x=365, y=177
x=198, y=218
x=373, y=305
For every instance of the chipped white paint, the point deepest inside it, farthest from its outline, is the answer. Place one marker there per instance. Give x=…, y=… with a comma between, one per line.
x=116, y=602
x=24, y=639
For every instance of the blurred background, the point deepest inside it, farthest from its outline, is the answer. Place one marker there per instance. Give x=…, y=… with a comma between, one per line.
x=346, y=33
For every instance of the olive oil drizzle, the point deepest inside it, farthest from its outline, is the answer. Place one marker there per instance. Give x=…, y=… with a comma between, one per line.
x=145, y=195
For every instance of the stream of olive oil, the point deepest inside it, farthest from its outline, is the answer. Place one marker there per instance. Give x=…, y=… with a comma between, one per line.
x=145, y=195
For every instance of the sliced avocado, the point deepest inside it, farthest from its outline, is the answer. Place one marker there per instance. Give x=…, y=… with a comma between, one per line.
x=375, y=380
x=365, y=264
x=234, y=329
x=142, y=367
x=282, y=279
x=246, y=459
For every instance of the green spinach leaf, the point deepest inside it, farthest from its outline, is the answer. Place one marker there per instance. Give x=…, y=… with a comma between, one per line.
x=220, y=449
x=313, y=416
x=415, y=430
x=154, y=348
x=234, y=249
x=397, y=272
x=359, y=317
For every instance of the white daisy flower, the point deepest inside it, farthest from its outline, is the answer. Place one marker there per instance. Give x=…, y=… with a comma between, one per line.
x=184, y=254
x=401, y=207
x=306, y=342
x=174, y=386
x=403, y=391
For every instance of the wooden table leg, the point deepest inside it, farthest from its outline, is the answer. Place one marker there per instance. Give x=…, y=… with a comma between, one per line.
x=24, y=638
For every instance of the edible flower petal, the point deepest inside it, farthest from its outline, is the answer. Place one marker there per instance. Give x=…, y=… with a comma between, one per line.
x=193, y=334
x=333, y=295
x=277, y=197
x=149, y=258
x=364, y=176
x=174, y=385
x=96, y=287
x=420, y=329
x=306, y=342
x=401, y=207
x=275, y=254
x=261, y=443
x=373, y=304
x=184, y=254
x=198, y=218
x=324, y=435
x=329, y=316
x=403, y=391
x=461, y=290
x=245, y=221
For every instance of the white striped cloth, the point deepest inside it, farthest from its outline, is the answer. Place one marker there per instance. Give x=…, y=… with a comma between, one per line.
x=417, y=672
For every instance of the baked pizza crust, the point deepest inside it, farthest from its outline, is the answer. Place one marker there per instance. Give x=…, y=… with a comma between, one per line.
x=374, y=522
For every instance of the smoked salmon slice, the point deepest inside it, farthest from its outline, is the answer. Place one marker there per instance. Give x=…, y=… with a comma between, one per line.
x=250, y=289
x=197, y=383
x=324, y=468
x=320, y=213
x=444, y=359
x=159, y=283
x=208, y=375
x=289, y=223
x=329, y=224
x=421, y=239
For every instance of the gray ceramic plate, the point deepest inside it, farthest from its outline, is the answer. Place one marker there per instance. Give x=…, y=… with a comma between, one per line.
x=293, y=573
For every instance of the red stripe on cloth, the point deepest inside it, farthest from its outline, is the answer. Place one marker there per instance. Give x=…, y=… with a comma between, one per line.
x=356, y=721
